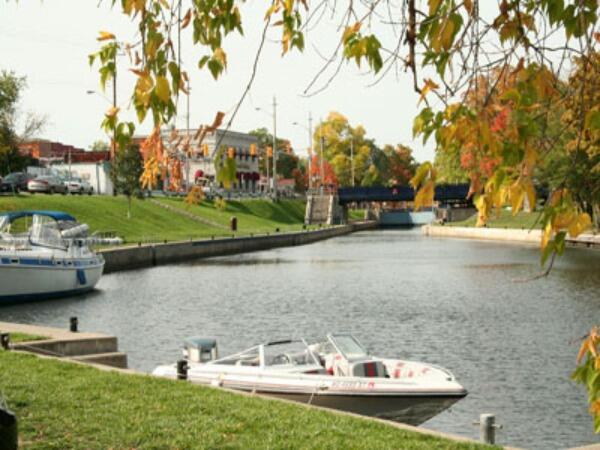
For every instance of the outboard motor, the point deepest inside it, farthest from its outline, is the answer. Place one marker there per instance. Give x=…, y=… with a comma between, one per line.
x=200, y=350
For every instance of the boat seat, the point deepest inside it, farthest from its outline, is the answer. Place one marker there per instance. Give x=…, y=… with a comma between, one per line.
x=369, y=368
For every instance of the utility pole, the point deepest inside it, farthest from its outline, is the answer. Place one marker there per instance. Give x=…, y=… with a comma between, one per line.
x=187, y=127
x=352, y=159
x=274, y=146
x=114, y=142
x=309, y=151
x=322, y=162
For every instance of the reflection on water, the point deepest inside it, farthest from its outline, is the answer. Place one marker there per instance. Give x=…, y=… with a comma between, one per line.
x=450, y=302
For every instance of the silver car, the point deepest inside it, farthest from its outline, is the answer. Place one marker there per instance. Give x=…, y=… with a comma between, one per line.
x=79, y=186
x=48, y=184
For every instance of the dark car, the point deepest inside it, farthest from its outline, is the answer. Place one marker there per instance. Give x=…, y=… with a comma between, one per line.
x=15, y=182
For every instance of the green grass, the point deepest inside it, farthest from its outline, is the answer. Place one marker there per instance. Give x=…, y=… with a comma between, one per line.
x=24, y=337
x=523, y=220
x=151, y=223
x=62, y=405
x=356, y=214
x=254, y=215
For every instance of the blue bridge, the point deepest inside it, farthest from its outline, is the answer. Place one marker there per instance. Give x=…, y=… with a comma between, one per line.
x=444, y=193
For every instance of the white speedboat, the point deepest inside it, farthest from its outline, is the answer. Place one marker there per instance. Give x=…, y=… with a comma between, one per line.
x=337, y=373
x=50, y=258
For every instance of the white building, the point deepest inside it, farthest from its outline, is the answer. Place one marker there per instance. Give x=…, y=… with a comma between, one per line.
x=95, y=173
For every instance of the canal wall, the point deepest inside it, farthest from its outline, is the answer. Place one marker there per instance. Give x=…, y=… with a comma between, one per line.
x=525, y=236
x=150, y=255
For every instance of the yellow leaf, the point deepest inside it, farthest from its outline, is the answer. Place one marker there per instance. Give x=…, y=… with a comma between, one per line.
x=563, y=220
x=163, y=91
x=482, y=203
x=429, y=85
x=531, y=194
x=433, y=6
x=105, y=36
x=447, y=33
x=580, y=224
x=517, y=195
x=220, y=56
x=424, y=196
x=546, y=235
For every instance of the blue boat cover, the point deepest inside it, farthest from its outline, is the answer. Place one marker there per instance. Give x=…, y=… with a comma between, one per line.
x=56, y=215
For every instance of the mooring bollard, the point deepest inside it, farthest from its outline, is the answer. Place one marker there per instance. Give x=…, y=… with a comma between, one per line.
x=9, y=436
x=73, y=324
x=487, y=428
x=182, y=369
x=5, y=340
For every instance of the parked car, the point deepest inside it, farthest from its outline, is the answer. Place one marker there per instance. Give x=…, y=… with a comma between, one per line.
x=79, y=186
x=48, y=184
x=15, y=182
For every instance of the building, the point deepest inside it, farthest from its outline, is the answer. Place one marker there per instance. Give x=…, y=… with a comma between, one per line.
x=55, y=157
x=201, y=168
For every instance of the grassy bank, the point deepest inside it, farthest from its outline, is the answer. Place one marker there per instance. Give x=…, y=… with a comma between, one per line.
x=63, y=405
x=24, y=337
x=523, y=220
x=150, y=222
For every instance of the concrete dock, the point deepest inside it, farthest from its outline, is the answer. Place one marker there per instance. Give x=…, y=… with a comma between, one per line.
x=80, y=346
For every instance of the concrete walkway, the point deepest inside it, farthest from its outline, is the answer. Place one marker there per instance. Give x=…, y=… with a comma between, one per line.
x=81, y=346
x=533, y=237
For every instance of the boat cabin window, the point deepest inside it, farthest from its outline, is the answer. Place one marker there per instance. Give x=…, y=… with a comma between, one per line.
x=348, y=346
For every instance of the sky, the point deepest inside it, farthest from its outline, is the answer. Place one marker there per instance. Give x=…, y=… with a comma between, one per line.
x=49, y=41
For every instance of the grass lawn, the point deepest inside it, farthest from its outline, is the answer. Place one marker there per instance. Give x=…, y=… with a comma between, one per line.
x=253, y=215
x=151, y=223
x=356, y=214
x=68, y=406
x=24, y=337
x=523, y=220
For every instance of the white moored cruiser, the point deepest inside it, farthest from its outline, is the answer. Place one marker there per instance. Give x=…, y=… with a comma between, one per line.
x=337, y=373
x=51, y=259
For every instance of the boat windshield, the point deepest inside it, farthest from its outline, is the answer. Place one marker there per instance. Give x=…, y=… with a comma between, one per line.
x=294, y=353
x=250, y=357
x=4, y=224
x=348, y=346
x=45, y=232
x=290, y=353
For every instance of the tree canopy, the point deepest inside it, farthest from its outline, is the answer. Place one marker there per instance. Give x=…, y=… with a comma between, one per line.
x=488, y=75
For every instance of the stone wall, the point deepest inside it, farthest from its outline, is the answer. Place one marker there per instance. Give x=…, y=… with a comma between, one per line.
x=149, y=255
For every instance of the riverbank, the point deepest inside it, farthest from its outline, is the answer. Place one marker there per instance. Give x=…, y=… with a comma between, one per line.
x=525, y=236
x=150, y=255
x=151, y=222
x=86, y=408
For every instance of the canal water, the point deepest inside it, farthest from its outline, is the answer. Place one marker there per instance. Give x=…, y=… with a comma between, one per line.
x=457, y=303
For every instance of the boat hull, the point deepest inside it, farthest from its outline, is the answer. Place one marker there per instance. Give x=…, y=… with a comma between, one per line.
x=412, y=410
x=403, y=401
x=20, y=282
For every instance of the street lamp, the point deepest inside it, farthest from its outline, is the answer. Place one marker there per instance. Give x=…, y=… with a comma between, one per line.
x=309, y=129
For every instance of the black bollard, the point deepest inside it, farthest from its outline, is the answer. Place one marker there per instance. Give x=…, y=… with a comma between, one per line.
x=8, y=428
x=5, y=340
x=73, y=324
x=182, y=369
